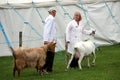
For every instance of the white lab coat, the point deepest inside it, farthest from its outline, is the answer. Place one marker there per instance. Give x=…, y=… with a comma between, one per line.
x=49, y=29
x=75, y=33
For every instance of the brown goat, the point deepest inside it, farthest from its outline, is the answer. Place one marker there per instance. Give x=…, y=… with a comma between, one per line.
x=30, y=57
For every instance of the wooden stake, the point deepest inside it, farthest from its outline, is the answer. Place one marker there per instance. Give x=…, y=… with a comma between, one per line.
x=20, y=39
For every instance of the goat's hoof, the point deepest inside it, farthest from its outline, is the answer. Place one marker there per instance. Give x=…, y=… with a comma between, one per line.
x=45, y=72
x=93, y=64
x=80, y=69
x=66, y=69
x=89, y=66
x=41, y=74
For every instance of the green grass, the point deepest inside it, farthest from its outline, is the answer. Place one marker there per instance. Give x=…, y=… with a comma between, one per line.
x=107, y=68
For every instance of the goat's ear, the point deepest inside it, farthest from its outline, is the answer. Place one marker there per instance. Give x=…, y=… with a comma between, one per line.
x=53, y=40
x=54, y=43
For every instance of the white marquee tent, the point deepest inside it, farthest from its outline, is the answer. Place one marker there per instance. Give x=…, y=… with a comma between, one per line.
x=28, y=16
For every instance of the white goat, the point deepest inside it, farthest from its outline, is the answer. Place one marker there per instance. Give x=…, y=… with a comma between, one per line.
x=84, y=49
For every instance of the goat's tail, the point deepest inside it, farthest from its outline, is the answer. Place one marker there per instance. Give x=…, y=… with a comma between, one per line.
x=75, y=49
x=12, y=50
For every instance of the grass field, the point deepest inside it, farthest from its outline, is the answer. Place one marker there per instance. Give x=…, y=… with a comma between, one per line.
x=107, y=68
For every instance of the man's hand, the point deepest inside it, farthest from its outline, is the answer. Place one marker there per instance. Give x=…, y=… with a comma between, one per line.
x=46, y=42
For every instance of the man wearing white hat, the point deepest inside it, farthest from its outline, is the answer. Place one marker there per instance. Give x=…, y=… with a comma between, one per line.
x=50, y=27
x=49, y=35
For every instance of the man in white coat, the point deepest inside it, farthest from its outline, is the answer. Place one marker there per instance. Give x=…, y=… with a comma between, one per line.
x=49, y=35
x=50, y=27
x=75, y=31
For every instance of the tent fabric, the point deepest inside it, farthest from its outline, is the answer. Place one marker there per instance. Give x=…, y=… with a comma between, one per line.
x=27, y=19
x=41, y=3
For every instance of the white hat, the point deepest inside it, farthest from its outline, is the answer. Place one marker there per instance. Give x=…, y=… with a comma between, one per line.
x=51, y=9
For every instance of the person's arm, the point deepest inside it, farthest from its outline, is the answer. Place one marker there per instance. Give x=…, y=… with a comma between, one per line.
x=88, y=32
x=68, y=30
x=85, y=31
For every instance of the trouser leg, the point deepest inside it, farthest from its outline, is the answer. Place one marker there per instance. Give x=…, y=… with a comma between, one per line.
x=49, y=61
x=74, y=63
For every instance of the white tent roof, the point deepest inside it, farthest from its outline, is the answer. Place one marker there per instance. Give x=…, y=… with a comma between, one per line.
x=29, y=1
x=41, y=3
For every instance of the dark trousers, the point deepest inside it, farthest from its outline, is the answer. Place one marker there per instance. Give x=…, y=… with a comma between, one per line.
x=49, y=61
x=74, y=63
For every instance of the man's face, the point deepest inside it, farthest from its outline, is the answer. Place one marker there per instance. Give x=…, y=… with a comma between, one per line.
x=53, y=13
